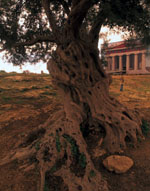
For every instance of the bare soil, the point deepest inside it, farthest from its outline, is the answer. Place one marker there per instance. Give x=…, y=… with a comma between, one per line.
x=26, y=101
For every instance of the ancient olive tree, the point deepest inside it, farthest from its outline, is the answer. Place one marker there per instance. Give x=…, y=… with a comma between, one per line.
x=65, y=33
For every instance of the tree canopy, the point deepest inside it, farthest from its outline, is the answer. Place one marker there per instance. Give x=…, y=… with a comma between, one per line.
x=31, y=30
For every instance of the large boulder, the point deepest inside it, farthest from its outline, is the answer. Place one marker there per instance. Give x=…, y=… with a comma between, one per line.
x=118, y=164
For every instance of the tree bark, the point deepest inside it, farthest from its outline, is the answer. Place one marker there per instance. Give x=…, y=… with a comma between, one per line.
x=84, y=86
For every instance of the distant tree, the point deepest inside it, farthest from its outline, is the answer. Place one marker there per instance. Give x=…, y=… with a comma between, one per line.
x=65, y=33
x=104, y=45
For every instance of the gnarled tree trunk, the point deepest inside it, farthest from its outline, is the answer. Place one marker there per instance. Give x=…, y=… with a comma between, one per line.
x=79, y=77
x=84, y=85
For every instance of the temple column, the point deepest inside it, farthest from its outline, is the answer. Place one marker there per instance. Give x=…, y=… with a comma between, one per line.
x=107, y=60
x=135, y=61
x=143, y=61
x=127, y=63
x=120, y=63
x=113, y=63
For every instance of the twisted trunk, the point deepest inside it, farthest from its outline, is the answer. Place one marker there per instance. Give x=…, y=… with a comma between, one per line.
x=79, y=77
x=82, y=82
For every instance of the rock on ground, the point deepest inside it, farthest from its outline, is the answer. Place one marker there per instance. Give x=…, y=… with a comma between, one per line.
x=118, y=164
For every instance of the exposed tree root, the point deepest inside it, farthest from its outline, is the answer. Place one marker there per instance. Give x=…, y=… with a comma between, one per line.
x=62, y=154
x=62, y=150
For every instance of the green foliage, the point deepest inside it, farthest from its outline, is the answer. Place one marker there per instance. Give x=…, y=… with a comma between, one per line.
x=46, y=87
x=53, y=169
x=80, y=157
x=26, y=35
x=24, y=89
x=1, y=90
x=34, y=88
x=82, y=160
x=37, y=146
x=58, y=144
x=49, y=87
x=49, y=93
x=145, y=127
x=131, y=145
x=139, y=140
x=2, y=72
x=74, y=147
x=92, y=174
x=6, y=99
x=46, y=188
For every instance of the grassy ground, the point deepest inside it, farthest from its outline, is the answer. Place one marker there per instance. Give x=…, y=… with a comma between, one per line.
x=28, y=100
x=20, y=93
x=136, y=91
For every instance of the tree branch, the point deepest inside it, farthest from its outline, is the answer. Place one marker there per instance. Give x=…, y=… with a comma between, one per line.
x=77, y=15
x=79, y=12
x=65, y=6
x=75, y=2
x=51, y=18
x=38, y=39
x=94, y=32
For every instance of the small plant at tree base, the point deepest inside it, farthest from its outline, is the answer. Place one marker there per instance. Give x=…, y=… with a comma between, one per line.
x=80, y=157
x=46, y=188
x=82, y=160
x=145, y=127
x=37, y=146
x=74, y=147
x=92, y=174
x=139, y=140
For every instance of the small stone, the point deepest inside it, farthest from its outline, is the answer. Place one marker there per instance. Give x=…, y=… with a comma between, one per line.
x=118, y=164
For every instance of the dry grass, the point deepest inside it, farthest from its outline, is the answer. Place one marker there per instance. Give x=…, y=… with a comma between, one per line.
x=23, y=94
x=136, y=91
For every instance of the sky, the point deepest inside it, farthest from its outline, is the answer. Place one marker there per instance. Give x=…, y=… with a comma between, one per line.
x=8, y=67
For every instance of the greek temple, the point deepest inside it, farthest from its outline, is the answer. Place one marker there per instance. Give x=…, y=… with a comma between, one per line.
x=127, y=58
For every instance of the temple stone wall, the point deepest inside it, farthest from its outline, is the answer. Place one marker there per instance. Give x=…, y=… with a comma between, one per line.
x=129, y=61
